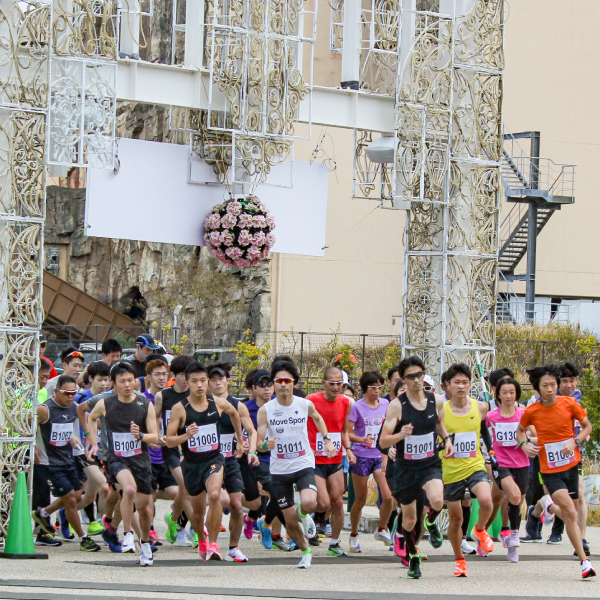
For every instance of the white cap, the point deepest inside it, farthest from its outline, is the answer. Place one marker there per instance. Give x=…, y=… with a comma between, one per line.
x=428, y=380
x=345, y=379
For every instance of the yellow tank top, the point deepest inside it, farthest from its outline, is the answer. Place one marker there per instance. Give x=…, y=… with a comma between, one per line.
x=467, y=452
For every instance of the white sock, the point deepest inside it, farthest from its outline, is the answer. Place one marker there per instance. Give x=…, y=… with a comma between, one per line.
x=43, y=512
x=333, y=542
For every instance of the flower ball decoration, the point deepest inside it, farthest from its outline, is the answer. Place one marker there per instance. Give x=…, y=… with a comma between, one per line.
x=238, y=232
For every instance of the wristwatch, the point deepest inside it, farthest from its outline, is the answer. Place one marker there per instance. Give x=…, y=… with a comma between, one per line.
x=578, y=442
x=141, y=435
x=327, y=437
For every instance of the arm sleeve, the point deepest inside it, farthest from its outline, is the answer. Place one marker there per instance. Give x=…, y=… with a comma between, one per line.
x=485, y=436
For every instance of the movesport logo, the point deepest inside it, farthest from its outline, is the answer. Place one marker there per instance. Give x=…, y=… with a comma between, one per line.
x=288, y=421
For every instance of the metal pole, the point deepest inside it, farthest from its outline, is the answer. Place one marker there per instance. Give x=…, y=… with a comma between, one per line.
x=532, y=212
x=364, y=337
x=301, y=351
x=543, y=352
x=96, y=347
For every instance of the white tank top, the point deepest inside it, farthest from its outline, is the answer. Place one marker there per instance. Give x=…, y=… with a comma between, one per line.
x=288, y=424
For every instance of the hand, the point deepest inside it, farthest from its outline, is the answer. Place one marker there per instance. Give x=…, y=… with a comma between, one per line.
x=406, y=431
x=392, y=453
x=569, y=448
x=75, y=443
x=135, y=430
x=92, y=451
x=530, y=449
x=350, y=456
x=253, y=460
x=239, y=451
x=369, y=440
x=330, y=449
x=271, y=443
x=494, y=463
x=449, y=448
x=154, y=446
x=191, y=430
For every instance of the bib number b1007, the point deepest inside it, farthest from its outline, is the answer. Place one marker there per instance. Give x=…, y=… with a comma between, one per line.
x=126, y=445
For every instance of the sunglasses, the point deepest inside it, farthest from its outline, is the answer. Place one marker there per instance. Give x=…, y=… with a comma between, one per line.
x=375, y=387
x=76, y=354
x=68, y=392
x=265, y=384
x=414, y=376
x=284, y=380
x=335, y=382
x=427, y=388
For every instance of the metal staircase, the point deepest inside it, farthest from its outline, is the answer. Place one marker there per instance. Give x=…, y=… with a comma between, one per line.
x=537, y=187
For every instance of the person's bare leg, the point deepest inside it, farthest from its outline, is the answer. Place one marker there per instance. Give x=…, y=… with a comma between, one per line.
x=129, y=490
x=236, y=518
x=360, y=499
x=215, y=510
x=335, y=488
x=385, y=510
x=455, y=527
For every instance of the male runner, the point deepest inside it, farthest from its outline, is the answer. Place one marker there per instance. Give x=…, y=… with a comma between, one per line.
x=164, y=485
x=270, y=533
x=131, y=425
x=164, y=403
x=465, y=469
x=558, y=449
x=56, y=418
x=284, y=420
x=195, y=424
x=334, y=407
x=413, y=422
x=72, y=363
x=218, y=385
x=144, y=347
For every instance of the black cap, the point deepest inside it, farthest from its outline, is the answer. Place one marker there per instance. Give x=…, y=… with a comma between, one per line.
x=147, y=341
x=217, y=371
x=42, y=338
x=260, y=375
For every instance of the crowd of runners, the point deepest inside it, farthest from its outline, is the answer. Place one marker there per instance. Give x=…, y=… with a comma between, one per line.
x=118, y=434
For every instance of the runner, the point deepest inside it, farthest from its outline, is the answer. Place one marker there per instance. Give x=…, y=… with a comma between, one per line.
x=363, y=425
x=569, y=381
x=195, y=424
x=233, y=484
x=269, y=526
x=412, y=424
x=512, y=474
x=164, y=485
x=164, y=403
x=91, y=474
x=144, y=347
x=284, y=421
x=56, y=418
x=559, y=451
x=465, y=469
x=334, y=407
x=131, y=426
x=72, y=363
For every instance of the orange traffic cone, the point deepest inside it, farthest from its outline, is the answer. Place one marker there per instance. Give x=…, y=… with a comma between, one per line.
x=19, y=541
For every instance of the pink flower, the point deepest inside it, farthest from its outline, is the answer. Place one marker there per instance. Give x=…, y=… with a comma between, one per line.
x=234, y=253
x=229, y=221
x=245, y=220
x=244, y=239
x=226, y=238
x=264, y=254
x=259, y=221
x=270, y=240
x=260, y=238
x=271, y=222
x=242, y=263
x=215, y=238
x=207, y=239
x=234, y=208
x=213, y=221
x=253, y=252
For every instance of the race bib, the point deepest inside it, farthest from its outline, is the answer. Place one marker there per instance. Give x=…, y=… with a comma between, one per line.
x=465, y=444
x=506, y=433
x=418, y=447
x=205, y=440
x=226, y=442
x=61, y=434
x=336, y=440
x=556, y=457
x=374, y=431
x=289, y=447
x=126, y=445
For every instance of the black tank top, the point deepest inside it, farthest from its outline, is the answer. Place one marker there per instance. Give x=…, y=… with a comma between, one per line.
x=418, y=450
x=169, y=399
x=119, y=415
x=228, y=441
x=205, y=445
x=57, y=432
